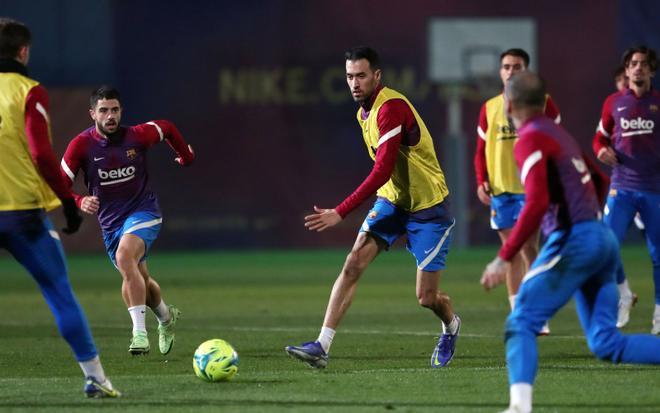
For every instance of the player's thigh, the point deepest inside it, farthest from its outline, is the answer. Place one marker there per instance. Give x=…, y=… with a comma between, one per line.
x=39, y=250
x=649, y=209
x=427, y=282
x=548, y=285
x=131, y=247
x=505, y=210
x=620, y=210
x=365, y=249
x=429, y=237
x=384, y=223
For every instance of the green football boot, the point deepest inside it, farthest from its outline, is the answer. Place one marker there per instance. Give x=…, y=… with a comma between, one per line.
x=166, y=331
x=139, y=343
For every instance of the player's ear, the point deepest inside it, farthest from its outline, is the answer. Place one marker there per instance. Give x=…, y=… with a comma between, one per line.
x=24, y=54
x=91, y=113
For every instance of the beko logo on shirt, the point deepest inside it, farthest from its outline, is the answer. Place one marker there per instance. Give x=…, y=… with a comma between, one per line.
x=640, y=125
x=117, y=175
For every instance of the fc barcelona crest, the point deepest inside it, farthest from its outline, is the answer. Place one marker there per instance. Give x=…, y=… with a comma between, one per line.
x=131, y=154
x=653, y=108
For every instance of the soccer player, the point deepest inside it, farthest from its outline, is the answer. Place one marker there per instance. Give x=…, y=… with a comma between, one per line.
x=628, y=141
x=30, y=184
x=412, y=200
x=113, y=159
x=578, y=259
x=498, y=184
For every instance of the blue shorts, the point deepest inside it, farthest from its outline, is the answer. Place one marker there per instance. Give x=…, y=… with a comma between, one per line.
x=429, y=231
x=505, y=209
x=141, y=224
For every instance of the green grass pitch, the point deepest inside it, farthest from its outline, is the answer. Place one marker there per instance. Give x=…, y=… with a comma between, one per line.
x=263, y=301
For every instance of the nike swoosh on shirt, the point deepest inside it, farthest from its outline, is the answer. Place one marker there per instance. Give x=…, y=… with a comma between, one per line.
x=621, y=108
x=98, y=159
x=429, y=250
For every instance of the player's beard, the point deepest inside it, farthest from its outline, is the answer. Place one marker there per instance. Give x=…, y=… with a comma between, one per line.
x=639, y=82
x=105, y=131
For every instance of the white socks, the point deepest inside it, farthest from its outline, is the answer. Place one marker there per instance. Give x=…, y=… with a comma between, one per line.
x=624, y=289
x=451, y=328
x=656, y=313
x=325, y=338
x=521, y=397
x=93, y=368
x=137, y=315
x=162, y=312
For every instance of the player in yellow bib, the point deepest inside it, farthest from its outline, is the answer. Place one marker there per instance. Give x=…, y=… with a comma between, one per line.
x=411, y=200
x=498, y=181
x=30, y=185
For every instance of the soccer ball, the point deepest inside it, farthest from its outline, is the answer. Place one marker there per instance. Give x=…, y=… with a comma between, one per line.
x=215, y=360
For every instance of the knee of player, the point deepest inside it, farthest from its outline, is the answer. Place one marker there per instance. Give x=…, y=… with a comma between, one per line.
x=353, y=267
x=519, y=323
x=426, y=298
x=606, y=345
x=124, y=260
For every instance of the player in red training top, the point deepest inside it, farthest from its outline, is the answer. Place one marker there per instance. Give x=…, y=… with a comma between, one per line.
x=628, y=140
x=579, y=259
x=498, y=183
x=113, y=159
x=411, y=192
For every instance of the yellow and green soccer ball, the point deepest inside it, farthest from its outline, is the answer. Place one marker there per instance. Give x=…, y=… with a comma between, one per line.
x=215, y=360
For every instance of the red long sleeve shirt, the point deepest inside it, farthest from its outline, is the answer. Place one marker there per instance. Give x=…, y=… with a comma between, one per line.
x=396, y=122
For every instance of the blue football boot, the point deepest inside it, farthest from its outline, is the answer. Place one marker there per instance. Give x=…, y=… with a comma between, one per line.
x=311, y=353
x=444, y=351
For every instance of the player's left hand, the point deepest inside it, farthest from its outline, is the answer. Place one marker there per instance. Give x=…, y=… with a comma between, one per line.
x=188, y=160
x=495, y=273
x=323, y=219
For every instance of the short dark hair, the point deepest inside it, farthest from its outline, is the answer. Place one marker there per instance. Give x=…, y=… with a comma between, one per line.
x=364, y=52
x=518, y=53
x=620, y=71
x=103, y=92
x=13, y=36
x=650, y=55
x=526, y=88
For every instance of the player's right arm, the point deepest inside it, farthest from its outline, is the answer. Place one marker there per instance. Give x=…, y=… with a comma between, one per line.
x=37, y=131
x=601, y=143
x=480, y=166
x=71, y=162
x=394, y=118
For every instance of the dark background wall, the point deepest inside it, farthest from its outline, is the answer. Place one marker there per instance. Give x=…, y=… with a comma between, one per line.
x=257, y=88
